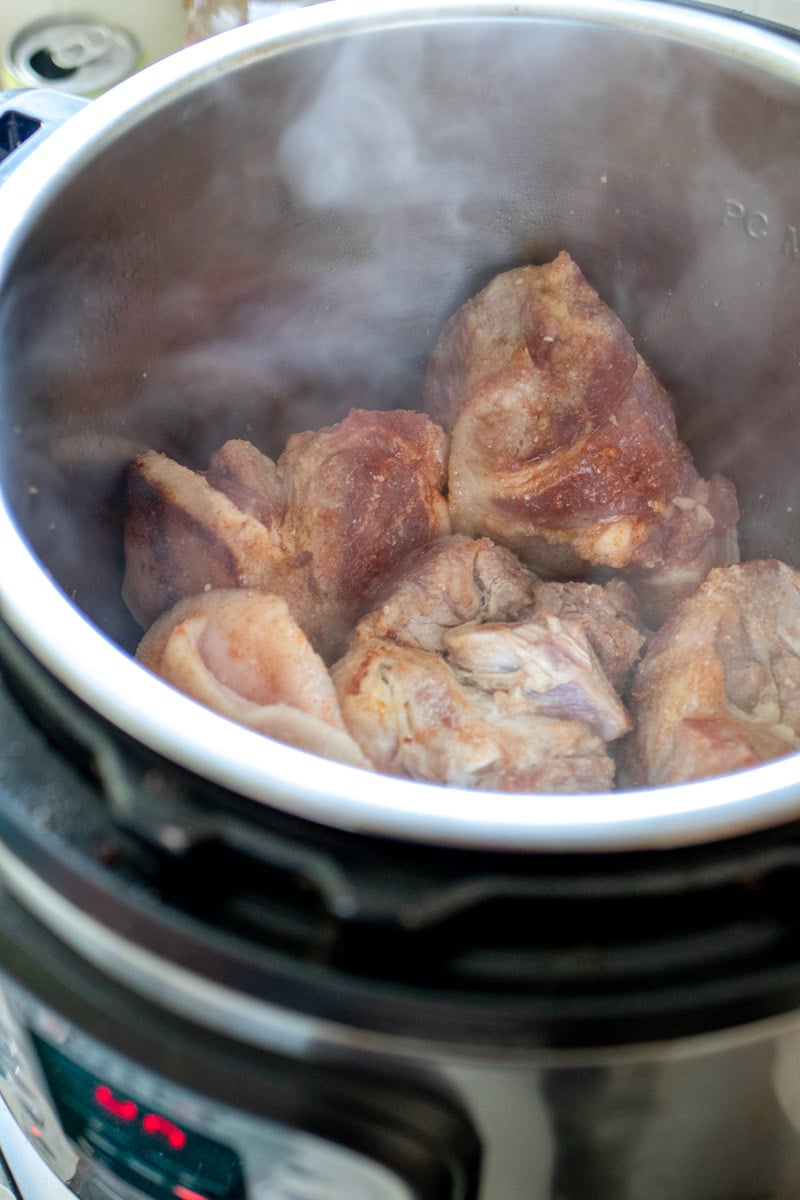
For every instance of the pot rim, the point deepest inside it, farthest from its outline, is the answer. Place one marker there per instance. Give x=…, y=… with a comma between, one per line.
x=105, y=677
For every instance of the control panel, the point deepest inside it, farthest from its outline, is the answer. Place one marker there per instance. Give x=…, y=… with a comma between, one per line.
x=109, y=1128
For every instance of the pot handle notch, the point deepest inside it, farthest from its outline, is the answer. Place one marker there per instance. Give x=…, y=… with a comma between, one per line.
x=27, y=117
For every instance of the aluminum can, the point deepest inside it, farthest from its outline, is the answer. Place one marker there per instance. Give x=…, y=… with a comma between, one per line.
x=75, y=54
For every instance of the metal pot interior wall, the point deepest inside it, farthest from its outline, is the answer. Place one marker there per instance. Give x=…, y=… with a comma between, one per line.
x=277, y=242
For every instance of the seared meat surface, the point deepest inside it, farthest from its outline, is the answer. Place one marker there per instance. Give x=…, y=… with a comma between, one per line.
x=719, y=686
x=545, y=666
x=413, y=715
x=450, y=581
x=563, y=443
x=340, y=508
x=182, y=536
x=610, y=616
x=441, y=563
x=456, y=580
x=462, y=674
x=240, y=653
x=250, y=480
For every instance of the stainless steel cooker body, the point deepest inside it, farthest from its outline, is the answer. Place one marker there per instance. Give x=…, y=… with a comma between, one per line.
x=351, y=1108
x=247, y=240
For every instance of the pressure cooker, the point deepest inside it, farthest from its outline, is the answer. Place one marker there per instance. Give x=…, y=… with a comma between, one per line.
x=231, y=970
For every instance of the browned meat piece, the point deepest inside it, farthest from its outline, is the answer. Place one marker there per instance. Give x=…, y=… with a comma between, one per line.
x=509, y=662
x=611, y=617
x=719, y=686
x=361, y=496
x=545, y=666
x=456, y=580
x=240, y=653
x=413, y=716
x=340, y=508
x=250, y=480
x=447, y=583
x=563, y=443
x=698, y=533
x=183, y=537
x=449, y=678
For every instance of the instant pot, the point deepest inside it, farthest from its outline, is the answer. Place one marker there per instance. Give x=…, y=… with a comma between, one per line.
x=232, y=970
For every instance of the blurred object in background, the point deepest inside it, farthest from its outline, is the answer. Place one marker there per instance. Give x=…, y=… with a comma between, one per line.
x=80, y=56
x=270, y=8
x=162, y=26
x=206, y=17
x=156, y=25
x=203, y=18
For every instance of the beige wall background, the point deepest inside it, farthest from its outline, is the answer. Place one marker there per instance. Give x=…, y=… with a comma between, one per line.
x=163, y=26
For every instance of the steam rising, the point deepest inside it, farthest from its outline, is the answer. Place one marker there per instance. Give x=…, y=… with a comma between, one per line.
x=287, y=241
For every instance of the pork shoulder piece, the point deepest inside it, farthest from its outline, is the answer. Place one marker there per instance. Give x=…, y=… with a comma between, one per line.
x=339, y=508
x=563, y=443
x=240, y=653
x=446, y=583
x=413, y=716
x=611, y=618
x=718, y=688
x=545, y=666
x=698, y=533
x=440, y=682
x=360, y=496
x=458, y=580
x=250, y=480
x=182, y=537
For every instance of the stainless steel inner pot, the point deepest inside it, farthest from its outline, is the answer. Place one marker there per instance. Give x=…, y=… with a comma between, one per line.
x=256, y=234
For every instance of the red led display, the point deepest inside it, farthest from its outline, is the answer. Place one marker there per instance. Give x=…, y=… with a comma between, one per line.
x=186, y=1193
x=152, y=1123
x=126, y=1110
x=141, y=1147
x=161, y=1127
